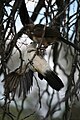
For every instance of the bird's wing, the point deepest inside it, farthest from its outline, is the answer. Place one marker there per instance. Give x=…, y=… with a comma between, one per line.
x=16, y=81
x=19, y=77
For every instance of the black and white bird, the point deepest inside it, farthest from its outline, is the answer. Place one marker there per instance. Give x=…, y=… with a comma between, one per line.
x=23, y=75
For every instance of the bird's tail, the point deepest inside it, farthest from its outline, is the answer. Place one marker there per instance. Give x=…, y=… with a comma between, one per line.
x=53, y=80
x=14, y=81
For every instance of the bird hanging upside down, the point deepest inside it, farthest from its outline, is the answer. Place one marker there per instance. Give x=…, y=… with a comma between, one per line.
x=32, y=62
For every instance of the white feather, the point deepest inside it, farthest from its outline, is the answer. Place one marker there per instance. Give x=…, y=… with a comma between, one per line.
x=38, y=63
